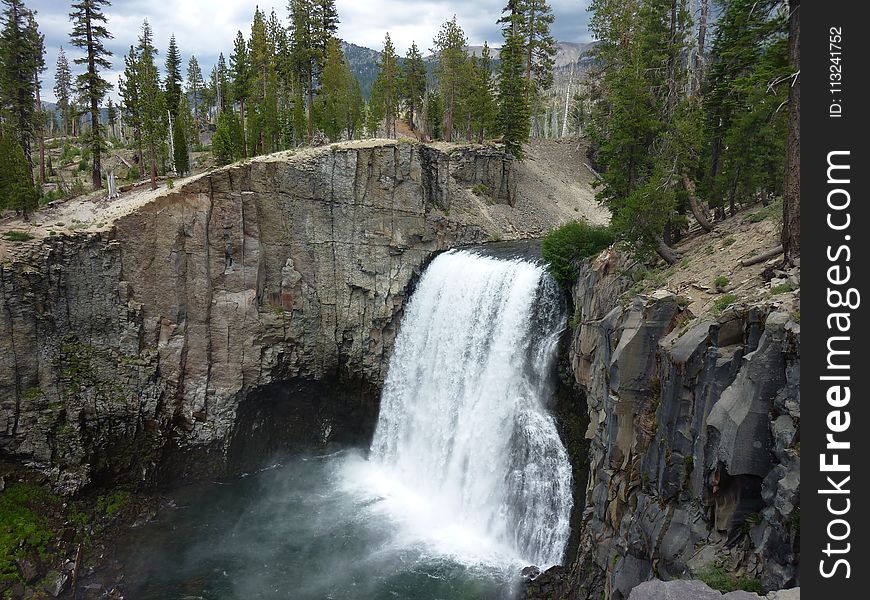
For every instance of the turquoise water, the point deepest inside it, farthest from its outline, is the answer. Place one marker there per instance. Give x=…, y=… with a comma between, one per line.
x=306, y=529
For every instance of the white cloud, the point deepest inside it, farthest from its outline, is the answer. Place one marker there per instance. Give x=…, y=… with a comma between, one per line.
x=207, y=27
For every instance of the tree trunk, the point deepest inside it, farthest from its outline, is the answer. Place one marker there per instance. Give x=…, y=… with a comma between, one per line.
x=791, y=206
x=699, y=56
x=242, y=125
x=153, y=159
x=41, y=133
x=668, y=254
x=761, y=257
x=310, y=106
x=697, y=209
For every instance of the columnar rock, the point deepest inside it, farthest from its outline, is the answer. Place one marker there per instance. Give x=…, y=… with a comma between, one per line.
x=694, y=454
x=265, y=294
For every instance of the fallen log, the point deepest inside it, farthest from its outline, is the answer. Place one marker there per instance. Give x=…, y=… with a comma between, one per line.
x=761, y=257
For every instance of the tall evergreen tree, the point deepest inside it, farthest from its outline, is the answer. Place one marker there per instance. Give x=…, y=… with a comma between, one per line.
x=21, y=59
x=89, y=34
x=240, y=75
x=512, y=92
x=63, y=89
x=339, y=101
x=195, y=87
x=173, y=80
x=482, y=103
x=413, y=82
x=388, y=82
x=17, y=191
x=451, y=56
x=131, y=108
x=791, y=218
x=180, y=137
x=151, y=101
x=303, y=56
x=537, y=17
x=312, y=24
x=263, y=98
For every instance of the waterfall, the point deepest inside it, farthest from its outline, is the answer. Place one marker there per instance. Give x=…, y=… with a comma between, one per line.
x=463, y=423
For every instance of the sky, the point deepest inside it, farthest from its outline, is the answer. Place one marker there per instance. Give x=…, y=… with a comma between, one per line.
x=206, y=28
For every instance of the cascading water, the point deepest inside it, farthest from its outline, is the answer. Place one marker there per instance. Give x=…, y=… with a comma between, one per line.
x=463, y=428
x=466, y=481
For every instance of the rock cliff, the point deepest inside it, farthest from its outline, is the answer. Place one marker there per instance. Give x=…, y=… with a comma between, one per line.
x=693, y=439
x=247, y=310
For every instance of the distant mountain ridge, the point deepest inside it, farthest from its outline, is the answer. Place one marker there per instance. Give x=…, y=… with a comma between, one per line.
x=364, y=61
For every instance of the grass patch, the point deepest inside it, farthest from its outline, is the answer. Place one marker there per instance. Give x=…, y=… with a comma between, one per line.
x=724, y=302
x=782, y=288
x=17, y=236
x=721, y=281
x=563, y=247
x=771, y=211
x=110, y=504
x=21, y=528
x=480, y=189
x=796, y=317
x=728, y=241
x=719, y=579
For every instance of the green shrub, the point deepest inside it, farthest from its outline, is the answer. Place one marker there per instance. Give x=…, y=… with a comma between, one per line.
x=21, y=527
x=480, y=189
x=17, y=236
x=110, y=504
x=718, y=579
x=721, y=281
x=782, y=288
x=576, y=240
x=728, y=241
x=724, y=302
x=133, y=173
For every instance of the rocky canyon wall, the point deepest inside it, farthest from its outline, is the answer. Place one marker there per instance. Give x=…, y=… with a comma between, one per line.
x=256, y=302
x=693, y=440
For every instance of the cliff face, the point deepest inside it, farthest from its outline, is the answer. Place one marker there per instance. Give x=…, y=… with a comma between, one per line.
x=248, y=309
x=693, y=439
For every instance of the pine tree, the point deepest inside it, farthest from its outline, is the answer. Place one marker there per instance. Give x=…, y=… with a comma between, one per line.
x=63, y=89
x=413, y=83
x=263, y=99
x=336, y=112
x=388, y=82
x=512, y=92
x=434, y=114
x=537, y=17
x=312, y=24
x=180, y=131
x=151, y=101
x=195, y=88
x=451, y=55
x=482, y=103
x=172, y=82
x=17, y=191
x=221, y=142
x=131, y=109
x=89, y=33
x=303, y=56
x=21, y=59
x=240, y=74
x=791, y=207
